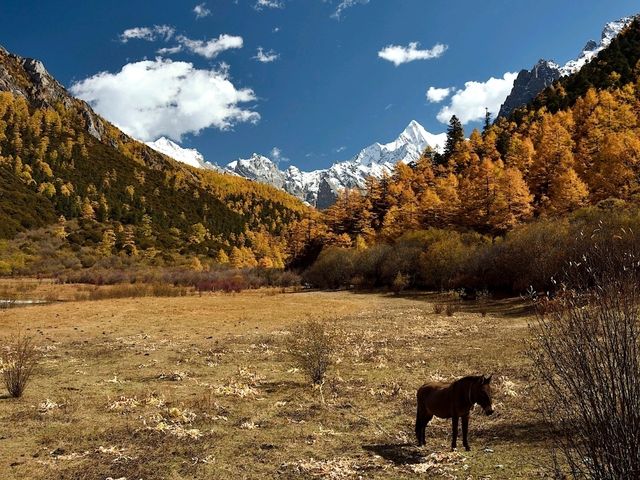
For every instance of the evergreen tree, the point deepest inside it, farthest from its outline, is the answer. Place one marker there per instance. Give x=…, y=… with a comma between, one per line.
x=487, y=122
x=455, y=136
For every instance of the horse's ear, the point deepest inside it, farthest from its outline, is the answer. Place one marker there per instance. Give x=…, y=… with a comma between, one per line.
x=487, y=380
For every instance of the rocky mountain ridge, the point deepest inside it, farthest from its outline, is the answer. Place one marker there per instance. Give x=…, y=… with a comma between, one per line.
x=530, y=83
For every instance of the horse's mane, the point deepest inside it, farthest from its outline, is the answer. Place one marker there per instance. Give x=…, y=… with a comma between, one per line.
x=472, y=378
x=469, y=378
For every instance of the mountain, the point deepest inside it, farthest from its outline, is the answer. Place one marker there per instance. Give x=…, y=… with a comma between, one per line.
x=320, y=187
x=188, y=156
x=530, y=83
x=62, y=164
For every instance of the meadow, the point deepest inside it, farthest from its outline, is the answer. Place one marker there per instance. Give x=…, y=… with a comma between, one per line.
x=202, y=386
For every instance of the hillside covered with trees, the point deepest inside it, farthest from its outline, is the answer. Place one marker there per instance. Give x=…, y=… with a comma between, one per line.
x=74, y=189
x=573, y=153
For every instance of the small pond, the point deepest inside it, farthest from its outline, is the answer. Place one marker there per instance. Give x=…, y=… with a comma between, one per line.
x=6, y=304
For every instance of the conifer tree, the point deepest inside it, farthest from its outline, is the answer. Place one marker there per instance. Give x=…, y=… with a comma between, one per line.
x=455, y=136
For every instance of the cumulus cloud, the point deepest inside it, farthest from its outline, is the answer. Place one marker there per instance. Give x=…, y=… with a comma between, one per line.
x=150, y=34
x=263, y=56
x=398, y=54
x=210, y=48
x=437, y=95
x=262, y=4
x=201, y=10
x=344, y=5
x=154, y=98
x=469, y=103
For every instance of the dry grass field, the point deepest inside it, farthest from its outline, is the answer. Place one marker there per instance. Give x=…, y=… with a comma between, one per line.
x=202, y=387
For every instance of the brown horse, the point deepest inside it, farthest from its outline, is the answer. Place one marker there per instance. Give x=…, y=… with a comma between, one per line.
x=452, y=401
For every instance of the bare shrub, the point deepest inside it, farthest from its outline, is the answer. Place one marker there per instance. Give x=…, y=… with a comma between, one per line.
x=137, y=290
x=586, y=352
x=438, y=308
x=18, y=360
x=400, y=283
x=312, y=348
x=483, y=297
x=450, y=309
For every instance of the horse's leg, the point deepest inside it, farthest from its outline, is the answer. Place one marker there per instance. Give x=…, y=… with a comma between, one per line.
x=423, y=435
x=465, y=432
x=422, y=419
x=454, y=432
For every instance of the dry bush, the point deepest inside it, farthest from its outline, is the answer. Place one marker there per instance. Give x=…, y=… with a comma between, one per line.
x=312, y=349
x=132, y=291
x=400, y=283
x=451, y=309
x=18, y=360
x=587, y=356
x=438, y=308
x=483, y=297
x=333, y=269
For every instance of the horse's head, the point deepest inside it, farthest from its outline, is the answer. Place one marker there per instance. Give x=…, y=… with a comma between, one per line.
x=482, y=391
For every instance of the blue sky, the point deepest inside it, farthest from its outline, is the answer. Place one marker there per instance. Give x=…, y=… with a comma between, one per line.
x=327, y=92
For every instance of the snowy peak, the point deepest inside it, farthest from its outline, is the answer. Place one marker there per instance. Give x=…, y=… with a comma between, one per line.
x=189, y=156
x=259, y=168
x=415, y=134
x=592, y=49
x=406, y=148
x=530, y=83
x=320, y=187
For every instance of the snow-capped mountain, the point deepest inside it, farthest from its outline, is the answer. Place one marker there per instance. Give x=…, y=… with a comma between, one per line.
x=592, y=49
x=190, y=156
x=530, y=83
x=320, y=187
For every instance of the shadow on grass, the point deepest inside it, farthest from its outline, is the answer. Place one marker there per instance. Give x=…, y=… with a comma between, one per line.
x=498, y=306
x=398, y=453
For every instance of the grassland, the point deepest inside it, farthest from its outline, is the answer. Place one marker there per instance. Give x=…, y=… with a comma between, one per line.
x=202, y=387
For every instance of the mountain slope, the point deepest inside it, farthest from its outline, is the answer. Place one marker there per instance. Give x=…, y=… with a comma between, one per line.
x=530, y=83
x=58, y=158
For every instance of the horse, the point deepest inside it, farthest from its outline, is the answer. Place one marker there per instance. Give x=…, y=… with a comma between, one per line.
x=452, y=401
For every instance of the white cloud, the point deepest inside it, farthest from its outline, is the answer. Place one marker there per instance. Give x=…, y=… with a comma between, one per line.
x=201, y=10
x=277, y=156
x=262, y=4
x=345, y=4
x=169, y=50
x=266, y=57
x=398, y=54
x=160, y=97
x=150, y=34
x=469, y=103
x=210, y=48
x=436, y=95
x=206, y=48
